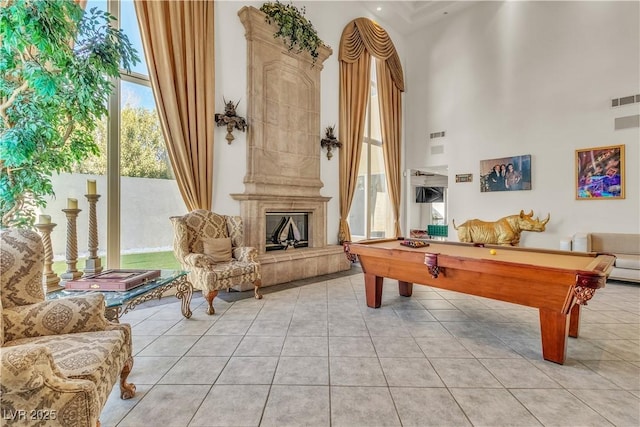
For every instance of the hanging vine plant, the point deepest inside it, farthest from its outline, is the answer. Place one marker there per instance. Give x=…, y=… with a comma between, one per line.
x=296, y=30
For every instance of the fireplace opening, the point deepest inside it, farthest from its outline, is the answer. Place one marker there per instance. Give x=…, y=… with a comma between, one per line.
x=287, y=230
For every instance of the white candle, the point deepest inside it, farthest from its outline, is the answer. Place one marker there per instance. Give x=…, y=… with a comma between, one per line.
x=91, y=186
x=44, y=219
x=72, y=203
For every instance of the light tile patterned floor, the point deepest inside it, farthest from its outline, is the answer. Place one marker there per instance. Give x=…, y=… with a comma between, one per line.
x=315, y=355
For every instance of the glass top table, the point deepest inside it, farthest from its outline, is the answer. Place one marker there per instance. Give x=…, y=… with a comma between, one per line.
x=118, y=303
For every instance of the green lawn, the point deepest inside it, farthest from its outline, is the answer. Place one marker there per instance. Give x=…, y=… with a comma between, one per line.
x=148, y=260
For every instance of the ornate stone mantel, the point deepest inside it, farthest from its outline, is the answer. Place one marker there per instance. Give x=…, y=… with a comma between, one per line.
x=283, y=151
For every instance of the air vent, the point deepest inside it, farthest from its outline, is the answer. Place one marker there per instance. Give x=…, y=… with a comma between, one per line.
x=625, y=100
x=627, y=122
x=436, y=135
x=437, y=149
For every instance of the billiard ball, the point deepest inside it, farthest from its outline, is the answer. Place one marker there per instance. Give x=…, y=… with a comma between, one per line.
x=492, y=251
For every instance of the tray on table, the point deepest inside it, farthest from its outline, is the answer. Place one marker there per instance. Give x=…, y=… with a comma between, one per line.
x=113, y=280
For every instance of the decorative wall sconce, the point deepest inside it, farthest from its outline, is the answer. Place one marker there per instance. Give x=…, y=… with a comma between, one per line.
x=231, y=120
x=330, y=141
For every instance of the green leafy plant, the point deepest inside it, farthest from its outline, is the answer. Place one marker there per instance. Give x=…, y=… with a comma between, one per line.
x=143, y=152
x=296, y=30
x=56, y=62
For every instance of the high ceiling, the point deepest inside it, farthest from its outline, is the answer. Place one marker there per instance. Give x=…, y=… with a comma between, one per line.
x=408, y=16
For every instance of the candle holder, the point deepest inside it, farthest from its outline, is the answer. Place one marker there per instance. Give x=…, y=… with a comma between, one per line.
x=230, y=119
x=329, y=141
x=93, y=264
x=72, y=272
x=50, y=281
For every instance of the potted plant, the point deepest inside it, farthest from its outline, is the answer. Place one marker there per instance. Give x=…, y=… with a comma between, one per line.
x=296, y=30
x=57, y=62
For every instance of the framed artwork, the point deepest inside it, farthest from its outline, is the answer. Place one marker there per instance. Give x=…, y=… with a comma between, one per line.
x=600, y=173
x=464, y=177
x=506, y=174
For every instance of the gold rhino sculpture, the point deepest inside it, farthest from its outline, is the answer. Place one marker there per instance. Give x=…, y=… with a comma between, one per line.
x=505, y=231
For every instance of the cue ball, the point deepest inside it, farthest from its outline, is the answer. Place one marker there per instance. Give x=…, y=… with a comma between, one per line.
x=492, y=251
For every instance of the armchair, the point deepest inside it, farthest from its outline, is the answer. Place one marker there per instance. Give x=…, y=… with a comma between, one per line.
x=199, y=244
x=59, y=358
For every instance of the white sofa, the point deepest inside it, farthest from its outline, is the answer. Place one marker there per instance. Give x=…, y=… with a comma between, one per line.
x=626, y=248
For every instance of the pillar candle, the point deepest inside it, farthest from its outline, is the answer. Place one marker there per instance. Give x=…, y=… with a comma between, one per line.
x=72, y=203
x=44, y=219
x=91, y=186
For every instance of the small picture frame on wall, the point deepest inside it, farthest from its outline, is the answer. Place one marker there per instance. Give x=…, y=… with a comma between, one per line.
x=464, y=177
x=505, y=174
x=600, y=173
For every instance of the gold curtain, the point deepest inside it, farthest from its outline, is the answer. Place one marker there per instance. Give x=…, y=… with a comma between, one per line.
x=361, y=39
x=390, y=101
x=354, y=93
x=178, y=40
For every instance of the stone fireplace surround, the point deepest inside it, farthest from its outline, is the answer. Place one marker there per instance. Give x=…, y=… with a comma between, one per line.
x=283, y=153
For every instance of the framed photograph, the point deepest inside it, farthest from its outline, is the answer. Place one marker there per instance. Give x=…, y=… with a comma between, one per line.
x=464, y=177
x=506, y=174
x=600, y=173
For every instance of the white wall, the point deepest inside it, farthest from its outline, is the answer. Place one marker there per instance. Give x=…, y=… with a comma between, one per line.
x=515, y=78
x=146, y=204
x=329, y=19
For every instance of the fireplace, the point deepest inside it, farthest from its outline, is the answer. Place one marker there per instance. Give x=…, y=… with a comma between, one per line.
x=286, y=230
x=284, y=212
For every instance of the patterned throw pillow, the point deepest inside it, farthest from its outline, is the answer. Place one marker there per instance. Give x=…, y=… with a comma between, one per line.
x=218, y=249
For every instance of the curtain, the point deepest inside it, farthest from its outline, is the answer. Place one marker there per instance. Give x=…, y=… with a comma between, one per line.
x=178, y=41
x=390, y=102
x=354, y=93
x=361, y=39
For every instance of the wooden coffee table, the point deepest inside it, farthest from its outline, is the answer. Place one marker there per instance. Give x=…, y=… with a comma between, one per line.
x=118, y=303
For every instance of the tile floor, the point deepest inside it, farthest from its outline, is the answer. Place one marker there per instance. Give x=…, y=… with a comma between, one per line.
x=315, y=355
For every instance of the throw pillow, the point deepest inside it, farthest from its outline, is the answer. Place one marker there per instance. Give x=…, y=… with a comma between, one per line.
x=218, y=249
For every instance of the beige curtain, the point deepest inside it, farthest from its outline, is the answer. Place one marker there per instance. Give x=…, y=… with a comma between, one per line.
x=390, y=101
x=354, y=93
x=361, y=39
x=178, y=40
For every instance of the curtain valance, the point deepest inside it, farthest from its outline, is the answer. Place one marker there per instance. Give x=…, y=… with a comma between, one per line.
x=363, y=33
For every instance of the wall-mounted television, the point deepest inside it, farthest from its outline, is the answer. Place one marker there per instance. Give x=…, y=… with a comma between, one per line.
x=429, y=194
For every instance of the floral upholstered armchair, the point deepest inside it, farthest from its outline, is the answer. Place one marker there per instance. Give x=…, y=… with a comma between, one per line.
x=59, y=358
x=211, y=247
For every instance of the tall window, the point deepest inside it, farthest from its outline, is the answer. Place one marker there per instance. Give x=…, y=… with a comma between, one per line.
x=371, y=215
x=132, y=171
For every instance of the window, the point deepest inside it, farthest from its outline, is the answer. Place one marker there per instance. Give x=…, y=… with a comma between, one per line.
x=134, y=177
x=371, y=215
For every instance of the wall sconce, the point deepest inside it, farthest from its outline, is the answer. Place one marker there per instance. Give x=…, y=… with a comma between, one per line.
x=329, y=141
x=230, y=119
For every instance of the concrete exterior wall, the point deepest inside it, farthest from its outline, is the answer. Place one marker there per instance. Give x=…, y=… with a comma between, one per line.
x=146, y=204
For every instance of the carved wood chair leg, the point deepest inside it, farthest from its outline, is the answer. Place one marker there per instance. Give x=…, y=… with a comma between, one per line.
x=209, y=297
x=127, y=390
x=256, y=289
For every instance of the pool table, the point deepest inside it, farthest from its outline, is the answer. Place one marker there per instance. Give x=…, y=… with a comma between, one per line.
x=554, y=282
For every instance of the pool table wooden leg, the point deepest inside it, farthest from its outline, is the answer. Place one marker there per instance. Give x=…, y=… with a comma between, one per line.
x=405, y=288
x=574, y=323
x=373, y=289
x=554, y=329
